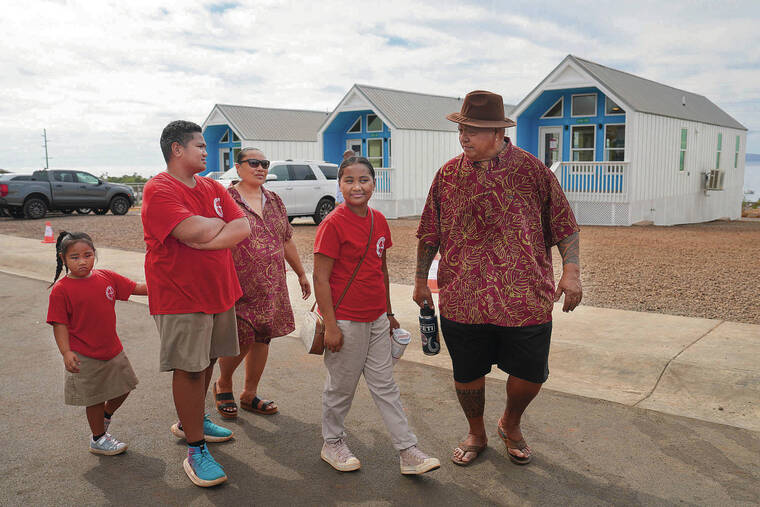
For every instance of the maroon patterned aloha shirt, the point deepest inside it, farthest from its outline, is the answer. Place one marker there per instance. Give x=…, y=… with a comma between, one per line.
x=494, y=223
x=263, y=311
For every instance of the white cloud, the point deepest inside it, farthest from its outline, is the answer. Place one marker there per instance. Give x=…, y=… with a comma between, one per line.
x=104, y=77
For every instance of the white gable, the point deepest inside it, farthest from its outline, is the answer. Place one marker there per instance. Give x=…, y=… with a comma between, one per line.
x=570, y=77
x=216, y=118
x=355, y=102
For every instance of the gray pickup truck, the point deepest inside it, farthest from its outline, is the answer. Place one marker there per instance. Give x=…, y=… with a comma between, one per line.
x=31, y=196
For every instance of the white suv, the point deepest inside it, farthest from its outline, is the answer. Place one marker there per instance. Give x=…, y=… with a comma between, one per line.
x=307, y=188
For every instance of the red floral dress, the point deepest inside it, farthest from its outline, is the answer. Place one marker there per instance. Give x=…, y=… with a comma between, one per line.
x=263, y=311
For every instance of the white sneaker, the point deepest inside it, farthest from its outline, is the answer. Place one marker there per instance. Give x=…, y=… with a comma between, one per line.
x=415, y=462
x=107, y=445
x=339, y=456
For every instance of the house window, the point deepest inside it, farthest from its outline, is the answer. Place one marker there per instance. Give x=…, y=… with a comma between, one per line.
x=584, y=105
x=682, y=155
x=226, y=137
x=357, y=126
x=720, y=148
x=583, y=143
x=611, y=107
x=614, y=143
x=374, y=124
x=375, y=152
x=556, y=110
x=736, y=154
x=235, y=138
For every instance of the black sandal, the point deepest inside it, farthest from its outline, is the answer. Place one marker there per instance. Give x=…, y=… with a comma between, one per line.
x=225, y=404
x=259, y=406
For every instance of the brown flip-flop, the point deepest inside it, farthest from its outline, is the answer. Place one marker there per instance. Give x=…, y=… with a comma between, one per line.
x=517, y=445
x=225, y=404
x=258, y=406
x=477, y=449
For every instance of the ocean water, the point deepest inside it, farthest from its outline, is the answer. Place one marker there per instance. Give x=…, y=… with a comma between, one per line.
x=752, y=180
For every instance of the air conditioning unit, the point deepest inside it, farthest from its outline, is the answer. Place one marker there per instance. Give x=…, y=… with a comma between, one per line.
x=713, y=180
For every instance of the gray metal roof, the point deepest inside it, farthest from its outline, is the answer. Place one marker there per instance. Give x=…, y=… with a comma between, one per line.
x=656, y=98
x=268, y=124
x=415, y=111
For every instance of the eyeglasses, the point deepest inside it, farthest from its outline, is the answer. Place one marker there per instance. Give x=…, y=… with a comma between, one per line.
x=254, y=162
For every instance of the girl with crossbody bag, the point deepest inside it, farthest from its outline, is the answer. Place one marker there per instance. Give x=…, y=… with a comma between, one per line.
x=358, y=332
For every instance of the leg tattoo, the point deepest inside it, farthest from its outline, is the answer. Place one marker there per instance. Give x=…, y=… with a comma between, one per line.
x=473, y=401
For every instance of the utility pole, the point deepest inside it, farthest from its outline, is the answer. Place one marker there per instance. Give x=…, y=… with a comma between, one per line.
x=44, y=137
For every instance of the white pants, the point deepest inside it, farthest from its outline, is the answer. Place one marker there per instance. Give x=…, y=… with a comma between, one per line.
x=366, y=349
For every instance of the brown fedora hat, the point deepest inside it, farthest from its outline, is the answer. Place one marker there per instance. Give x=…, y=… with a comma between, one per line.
x=482, y=109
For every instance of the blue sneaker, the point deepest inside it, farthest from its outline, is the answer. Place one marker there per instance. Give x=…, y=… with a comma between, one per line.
x=211, y=432
x=202, y=468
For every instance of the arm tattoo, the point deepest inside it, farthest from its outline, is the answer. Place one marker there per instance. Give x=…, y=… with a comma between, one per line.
x=425, y=255
x=473, y=401
x=569, y=249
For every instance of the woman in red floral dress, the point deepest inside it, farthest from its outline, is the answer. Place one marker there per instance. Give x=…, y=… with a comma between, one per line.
x=263, y=311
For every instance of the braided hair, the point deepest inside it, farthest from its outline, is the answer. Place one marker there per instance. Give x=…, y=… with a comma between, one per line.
x=62, y=244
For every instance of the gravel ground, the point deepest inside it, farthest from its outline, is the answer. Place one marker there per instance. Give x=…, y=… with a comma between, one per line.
x=707, y=270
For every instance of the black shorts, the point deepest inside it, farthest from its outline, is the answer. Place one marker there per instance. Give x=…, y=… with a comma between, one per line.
x=519, y=351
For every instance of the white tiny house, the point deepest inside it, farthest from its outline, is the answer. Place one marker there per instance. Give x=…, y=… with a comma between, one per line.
x=280, y=133
x=404, y=134
x=626, y=149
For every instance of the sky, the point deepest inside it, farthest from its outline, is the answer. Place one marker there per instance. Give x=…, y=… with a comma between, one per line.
x=104, y=77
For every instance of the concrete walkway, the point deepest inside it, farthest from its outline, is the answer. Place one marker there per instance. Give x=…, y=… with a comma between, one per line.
x=701, y=368
x=588, y=452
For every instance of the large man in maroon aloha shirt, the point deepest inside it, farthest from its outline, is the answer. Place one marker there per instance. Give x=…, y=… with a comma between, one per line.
x=494, y=212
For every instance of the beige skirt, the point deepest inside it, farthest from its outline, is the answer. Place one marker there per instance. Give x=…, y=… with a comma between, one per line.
x=99, y=381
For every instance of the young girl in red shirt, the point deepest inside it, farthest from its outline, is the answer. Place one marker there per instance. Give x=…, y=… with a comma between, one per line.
x=82, y=312
x=358, y=331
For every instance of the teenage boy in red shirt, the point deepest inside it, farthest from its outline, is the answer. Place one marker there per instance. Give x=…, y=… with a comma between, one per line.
x=190, y=222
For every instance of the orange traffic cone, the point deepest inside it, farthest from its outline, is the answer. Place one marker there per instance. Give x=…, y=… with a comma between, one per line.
x=433, y=275
x=48, y=233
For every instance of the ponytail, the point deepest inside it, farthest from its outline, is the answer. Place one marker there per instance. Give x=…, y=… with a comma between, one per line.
x=62, y=244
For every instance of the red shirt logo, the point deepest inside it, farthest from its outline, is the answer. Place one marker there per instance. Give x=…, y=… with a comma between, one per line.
x=110, y=293
x=218, y=207
x=380, y=246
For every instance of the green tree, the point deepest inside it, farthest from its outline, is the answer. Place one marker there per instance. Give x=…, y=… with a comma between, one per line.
x=127, y=178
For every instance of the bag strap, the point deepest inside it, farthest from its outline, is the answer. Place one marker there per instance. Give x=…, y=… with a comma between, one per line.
x=369, y=242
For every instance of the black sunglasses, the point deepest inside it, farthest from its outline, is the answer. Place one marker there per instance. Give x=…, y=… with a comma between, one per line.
x=254, y=162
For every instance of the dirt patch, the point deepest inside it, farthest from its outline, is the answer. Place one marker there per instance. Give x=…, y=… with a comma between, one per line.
x=706, y=270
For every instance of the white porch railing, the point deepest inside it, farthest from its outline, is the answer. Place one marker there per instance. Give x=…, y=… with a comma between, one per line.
x=594, y=181
x=383, y=183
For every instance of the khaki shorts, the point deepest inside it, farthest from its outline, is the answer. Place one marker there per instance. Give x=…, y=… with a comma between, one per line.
x=98, y=381
x=189, y=341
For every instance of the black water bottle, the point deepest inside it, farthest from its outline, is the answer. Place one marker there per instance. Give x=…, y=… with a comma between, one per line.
x=429, y=330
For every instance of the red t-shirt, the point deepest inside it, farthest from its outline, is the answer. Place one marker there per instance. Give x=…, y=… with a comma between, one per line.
x=343, y=236
x=86, y=307
x=182, y=279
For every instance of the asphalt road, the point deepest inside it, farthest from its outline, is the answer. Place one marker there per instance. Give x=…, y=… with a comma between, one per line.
x=588, y=452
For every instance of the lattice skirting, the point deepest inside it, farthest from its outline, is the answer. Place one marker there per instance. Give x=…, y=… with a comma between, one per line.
x=601, y=213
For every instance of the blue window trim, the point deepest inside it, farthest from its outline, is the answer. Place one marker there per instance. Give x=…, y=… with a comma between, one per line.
x=606, y=99
x=349, y=131
x=561, y=111
x=529, y=122
x=596, y=105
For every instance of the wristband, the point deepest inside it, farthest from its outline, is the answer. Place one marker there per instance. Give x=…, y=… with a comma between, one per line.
x=390, y=314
